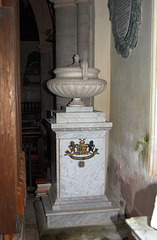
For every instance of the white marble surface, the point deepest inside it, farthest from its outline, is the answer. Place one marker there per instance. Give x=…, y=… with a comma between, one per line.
x=76, y=82
x=80, y=134
x=79, y=121
x=81, y=217
x=81, y=203
x=79, y=109
x=73, y=180
x=90, y=126
x=80, y=189
x=86, y=181
x=153, y=222
x=140, y=228
x=80, y=117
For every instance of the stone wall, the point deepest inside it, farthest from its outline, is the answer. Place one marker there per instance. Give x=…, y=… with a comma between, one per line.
x=128, y=169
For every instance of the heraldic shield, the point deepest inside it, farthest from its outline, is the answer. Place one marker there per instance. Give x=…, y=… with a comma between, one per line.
x=82, y=150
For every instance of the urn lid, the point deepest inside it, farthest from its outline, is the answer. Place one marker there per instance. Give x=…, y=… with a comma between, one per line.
x=76, y=61
x=77, y=70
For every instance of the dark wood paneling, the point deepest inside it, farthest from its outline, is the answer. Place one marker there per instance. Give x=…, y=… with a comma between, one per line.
x=5, y=3
x=10, y=133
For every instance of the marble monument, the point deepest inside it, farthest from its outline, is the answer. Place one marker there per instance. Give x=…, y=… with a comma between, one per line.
x=77, y=196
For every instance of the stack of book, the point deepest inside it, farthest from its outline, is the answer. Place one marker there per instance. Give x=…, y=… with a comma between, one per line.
x=43, y=185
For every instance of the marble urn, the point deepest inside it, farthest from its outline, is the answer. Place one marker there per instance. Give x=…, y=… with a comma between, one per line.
x=76, y=81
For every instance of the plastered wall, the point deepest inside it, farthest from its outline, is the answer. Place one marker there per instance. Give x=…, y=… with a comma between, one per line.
x=128, y=177
x=102, y=53
x=102, y=43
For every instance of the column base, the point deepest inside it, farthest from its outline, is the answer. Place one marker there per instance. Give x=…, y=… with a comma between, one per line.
x=96, y=213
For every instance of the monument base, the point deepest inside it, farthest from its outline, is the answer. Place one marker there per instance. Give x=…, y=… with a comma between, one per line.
x=83, y=212
x=77, y=196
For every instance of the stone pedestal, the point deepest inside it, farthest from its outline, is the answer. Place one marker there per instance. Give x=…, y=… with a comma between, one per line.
x=77, y=197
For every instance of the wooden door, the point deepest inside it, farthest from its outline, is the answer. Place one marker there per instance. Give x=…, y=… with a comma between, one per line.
x=10, y=116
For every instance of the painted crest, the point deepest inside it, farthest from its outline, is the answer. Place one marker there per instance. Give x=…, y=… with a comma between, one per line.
x=82, y=150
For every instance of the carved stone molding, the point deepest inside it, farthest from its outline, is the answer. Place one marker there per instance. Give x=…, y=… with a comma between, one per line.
x=55, y=129
x=79, y=1
x=61, y=3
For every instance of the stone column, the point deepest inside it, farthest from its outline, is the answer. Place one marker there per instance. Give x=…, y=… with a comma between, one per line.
x=74, y=34
x=85, y=25
x=66, y=32
x=85, y=30
x=66, y=37
x=46, y=66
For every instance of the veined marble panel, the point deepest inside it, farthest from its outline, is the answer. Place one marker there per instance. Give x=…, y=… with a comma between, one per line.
x=98, y=215
x=78, y=197
x=79, y=109
x=82, y=218
x=81, y=203
x=78, y=121
x=80, y=117
x=80, y=134
x=76, y=180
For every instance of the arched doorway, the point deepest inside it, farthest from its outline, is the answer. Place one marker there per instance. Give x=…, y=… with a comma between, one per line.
x=37, y=43
x=37, y=35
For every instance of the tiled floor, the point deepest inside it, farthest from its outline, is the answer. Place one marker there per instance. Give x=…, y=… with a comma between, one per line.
x=31, y=231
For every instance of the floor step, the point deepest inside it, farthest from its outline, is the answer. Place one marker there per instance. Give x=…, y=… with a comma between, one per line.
x=79, y=217
x=112, y=231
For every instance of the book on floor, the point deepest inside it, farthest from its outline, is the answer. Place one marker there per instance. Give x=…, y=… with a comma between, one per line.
x=43, y=186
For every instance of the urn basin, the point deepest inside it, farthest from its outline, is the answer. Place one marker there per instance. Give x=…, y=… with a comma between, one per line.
x=76, y=81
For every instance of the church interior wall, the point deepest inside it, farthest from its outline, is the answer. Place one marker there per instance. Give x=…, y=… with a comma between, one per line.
x=128, y=166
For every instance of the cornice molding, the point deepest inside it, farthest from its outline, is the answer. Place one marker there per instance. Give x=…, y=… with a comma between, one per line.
x=79, y=1
x=61, y=3
x=57, y=130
